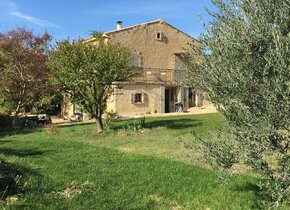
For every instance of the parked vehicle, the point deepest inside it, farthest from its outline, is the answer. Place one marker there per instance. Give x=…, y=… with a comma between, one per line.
x=43, y=119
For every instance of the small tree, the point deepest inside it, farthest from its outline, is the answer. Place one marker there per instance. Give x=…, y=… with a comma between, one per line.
x=87, y=71
x=246, y=75
x=23, y=71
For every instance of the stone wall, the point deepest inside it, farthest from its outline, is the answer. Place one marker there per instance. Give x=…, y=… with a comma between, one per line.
x=152, y=100
x=155, y=53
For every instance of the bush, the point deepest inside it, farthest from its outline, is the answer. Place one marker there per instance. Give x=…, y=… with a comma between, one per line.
x=110, y=116
x=51, y=129
x=134, y=125
x=5, y=121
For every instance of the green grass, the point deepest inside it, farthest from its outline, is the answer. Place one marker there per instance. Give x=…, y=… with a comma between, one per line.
x=162, y=136
x=75, y=169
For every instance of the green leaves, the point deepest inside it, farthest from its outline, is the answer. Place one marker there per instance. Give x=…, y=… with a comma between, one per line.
x=87, y=70
x=247, y=77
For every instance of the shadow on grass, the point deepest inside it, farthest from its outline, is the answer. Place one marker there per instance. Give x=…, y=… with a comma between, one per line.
x=173, y=123
x=5, y=141
x=20, y=153
x=22, y=131
x=11, y=179
x=78, y=124
x=250, y=187
x=12, y=175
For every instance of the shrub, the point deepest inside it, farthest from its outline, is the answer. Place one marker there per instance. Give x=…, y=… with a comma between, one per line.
x=134, y=125
x=51, y=129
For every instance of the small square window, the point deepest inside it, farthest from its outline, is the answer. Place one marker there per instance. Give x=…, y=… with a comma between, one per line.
x=138, y=98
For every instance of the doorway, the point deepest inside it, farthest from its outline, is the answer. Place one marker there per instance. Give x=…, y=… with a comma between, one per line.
x=167, y=103
x=170, y=99
x=191, y=98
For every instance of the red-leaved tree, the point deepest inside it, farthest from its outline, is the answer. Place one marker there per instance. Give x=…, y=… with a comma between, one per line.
x=24, y=75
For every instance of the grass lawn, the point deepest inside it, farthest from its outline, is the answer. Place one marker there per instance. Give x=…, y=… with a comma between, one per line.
x=75, y=169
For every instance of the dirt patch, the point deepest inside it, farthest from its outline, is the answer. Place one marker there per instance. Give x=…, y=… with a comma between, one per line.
x=127, y=149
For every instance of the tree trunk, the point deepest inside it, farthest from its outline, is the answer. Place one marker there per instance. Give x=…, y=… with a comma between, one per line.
x=15, y=117
x=99, y=123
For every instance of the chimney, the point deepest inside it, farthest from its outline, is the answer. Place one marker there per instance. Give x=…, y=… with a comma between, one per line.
x=119, y=25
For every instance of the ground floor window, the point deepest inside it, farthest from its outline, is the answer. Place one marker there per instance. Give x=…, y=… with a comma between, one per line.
x=138, y=98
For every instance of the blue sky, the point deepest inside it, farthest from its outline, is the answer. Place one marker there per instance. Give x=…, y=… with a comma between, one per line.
x=76, y=18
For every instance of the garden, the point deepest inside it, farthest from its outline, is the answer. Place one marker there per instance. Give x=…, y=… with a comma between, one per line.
x=123, y=168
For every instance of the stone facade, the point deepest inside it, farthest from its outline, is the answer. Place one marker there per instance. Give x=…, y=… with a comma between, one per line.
x=157, y=49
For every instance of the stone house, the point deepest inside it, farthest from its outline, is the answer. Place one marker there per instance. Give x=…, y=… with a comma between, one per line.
x=158, y=86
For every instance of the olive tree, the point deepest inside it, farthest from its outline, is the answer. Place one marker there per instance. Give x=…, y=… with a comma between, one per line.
x=86, y=72
x=245, y=72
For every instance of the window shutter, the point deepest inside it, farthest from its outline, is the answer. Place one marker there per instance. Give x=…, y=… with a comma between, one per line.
x=145, y=97
x=132, y=98
x=136, y=59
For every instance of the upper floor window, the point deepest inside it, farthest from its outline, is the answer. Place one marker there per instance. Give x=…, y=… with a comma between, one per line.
x=180, y=62
x=136, y=59
x=158, y=36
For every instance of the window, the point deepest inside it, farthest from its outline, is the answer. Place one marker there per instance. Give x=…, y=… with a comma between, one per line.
x=159, y=36
x=180, y=62
x=136, y=59
x=138, y=98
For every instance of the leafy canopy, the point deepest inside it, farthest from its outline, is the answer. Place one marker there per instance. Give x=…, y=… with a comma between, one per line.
x=87, y=70
x=246, y=75
x=23, y=71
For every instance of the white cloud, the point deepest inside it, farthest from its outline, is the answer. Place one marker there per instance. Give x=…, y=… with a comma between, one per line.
x=34, y=20
x=17, y=13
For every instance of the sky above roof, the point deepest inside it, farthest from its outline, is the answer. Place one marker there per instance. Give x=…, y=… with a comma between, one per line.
x=76, y=19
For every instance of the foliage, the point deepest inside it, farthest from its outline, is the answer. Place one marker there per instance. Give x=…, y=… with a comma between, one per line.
x=51, y=129
x=5, y=121
x=50, y=104
x=134, y=124
x=86, y=72
x=110, y=117
x=220, y=151
x=4, y=106
x=246, y=75
x=24, y=75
